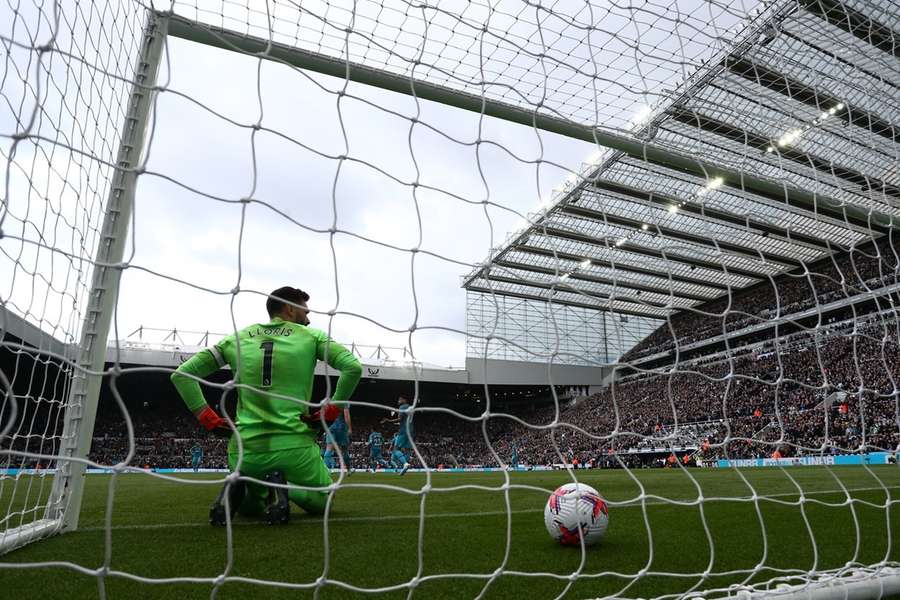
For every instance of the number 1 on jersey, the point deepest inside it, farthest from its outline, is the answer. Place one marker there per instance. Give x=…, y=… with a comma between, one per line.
x=268, y=349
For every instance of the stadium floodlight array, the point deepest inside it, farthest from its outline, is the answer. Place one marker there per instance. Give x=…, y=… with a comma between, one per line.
x=732, y=143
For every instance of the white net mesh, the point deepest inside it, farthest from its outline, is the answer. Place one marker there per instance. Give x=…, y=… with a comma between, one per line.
x=64, y=97
x=700, y=271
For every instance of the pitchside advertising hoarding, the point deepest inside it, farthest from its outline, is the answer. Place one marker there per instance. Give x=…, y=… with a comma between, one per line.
x=871, y=458
x=10, y=472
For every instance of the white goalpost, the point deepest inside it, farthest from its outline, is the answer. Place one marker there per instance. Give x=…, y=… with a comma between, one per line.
x=733, y=145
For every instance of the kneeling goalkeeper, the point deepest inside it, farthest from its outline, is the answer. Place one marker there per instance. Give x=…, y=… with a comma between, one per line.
x=273, y=364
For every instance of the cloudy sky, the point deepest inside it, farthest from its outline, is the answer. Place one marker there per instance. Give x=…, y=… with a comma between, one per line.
x=188, y=237
x=194, y=241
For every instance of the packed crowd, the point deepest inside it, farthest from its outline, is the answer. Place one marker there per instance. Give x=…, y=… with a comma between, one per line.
x=863, y=269
x=160, y=451
x=831, y=391
x=828, y=390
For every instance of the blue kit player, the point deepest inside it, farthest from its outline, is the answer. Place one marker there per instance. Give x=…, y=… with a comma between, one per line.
x=398, y=457
x=514, y=459
x=376, y=445
x=196, y=457
x=402, y=442
x=337, y=438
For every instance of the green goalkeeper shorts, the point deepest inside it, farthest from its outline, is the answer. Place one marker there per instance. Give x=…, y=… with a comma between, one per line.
x=301, y=466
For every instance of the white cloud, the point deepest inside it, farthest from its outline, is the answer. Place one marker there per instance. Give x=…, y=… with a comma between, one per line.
x=192, y=238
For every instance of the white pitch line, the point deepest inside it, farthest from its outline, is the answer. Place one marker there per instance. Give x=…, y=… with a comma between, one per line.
x=456, y=515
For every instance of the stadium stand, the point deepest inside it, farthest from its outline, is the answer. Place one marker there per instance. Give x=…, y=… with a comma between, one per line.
x=868, y=267
x=769, y=392
x=772, y=396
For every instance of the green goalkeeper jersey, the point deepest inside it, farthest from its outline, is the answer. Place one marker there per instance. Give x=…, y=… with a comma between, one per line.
x=274, y=364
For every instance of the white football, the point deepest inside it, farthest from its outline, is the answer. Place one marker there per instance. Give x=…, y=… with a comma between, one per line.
x=576, y=512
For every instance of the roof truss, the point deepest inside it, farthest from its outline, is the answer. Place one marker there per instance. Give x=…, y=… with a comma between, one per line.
x=763, y=228
x=675, y=234
x=622, y=266
x=671, y=255
x=855, y=23
x=549, y=299
x=588, y=277
x=567, y=286
x=866, y=182
x=854, y=196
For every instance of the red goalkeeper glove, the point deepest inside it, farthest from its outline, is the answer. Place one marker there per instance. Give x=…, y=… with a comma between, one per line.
x=329, y=412
x=213, y=422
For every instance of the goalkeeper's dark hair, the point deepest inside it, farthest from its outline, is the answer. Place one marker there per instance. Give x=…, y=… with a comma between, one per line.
x=283, y=296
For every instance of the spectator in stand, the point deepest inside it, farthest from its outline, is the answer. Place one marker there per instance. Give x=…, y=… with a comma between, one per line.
x=743, y=403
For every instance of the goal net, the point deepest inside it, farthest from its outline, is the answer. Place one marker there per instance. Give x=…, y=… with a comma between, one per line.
x=674, y=225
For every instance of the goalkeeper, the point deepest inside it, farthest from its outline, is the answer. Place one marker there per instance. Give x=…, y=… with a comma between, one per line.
x=273, y=365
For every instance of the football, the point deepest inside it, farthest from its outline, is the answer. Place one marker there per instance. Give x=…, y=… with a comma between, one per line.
x=576, y=512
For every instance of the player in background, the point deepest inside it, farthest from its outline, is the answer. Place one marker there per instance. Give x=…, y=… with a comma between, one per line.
x=376, y=445
x=273, y=365
x=326, y=452
x=196, y=457
x=399, y=460
x=514, y=458
x=328, y=455
x=337, y=438
x=402, y=442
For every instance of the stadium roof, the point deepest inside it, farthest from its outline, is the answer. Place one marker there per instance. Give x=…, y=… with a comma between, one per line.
x=804, y=112
x=779, y=149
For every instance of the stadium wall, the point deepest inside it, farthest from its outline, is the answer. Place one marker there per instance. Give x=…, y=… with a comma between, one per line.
x=477, y=370
x=508, y=372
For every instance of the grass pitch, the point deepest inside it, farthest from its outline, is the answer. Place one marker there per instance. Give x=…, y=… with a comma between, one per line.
x=159, y=532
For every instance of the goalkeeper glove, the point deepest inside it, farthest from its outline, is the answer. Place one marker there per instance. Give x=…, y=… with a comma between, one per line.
x=329, y=412
x=213, y=422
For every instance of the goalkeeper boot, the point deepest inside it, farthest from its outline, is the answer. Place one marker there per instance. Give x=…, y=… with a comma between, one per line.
x=217, y=512
x=278, y=510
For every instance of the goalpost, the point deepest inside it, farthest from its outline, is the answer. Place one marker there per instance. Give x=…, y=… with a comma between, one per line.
x=129, y=87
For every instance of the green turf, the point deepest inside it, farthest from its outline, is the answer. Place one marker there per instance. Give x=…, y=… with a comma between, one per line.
x=159, y=532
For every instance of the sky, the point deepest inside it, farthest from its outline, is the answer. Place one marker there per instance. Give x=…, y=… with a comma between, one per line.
x=384, y=291
x=200, y=259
